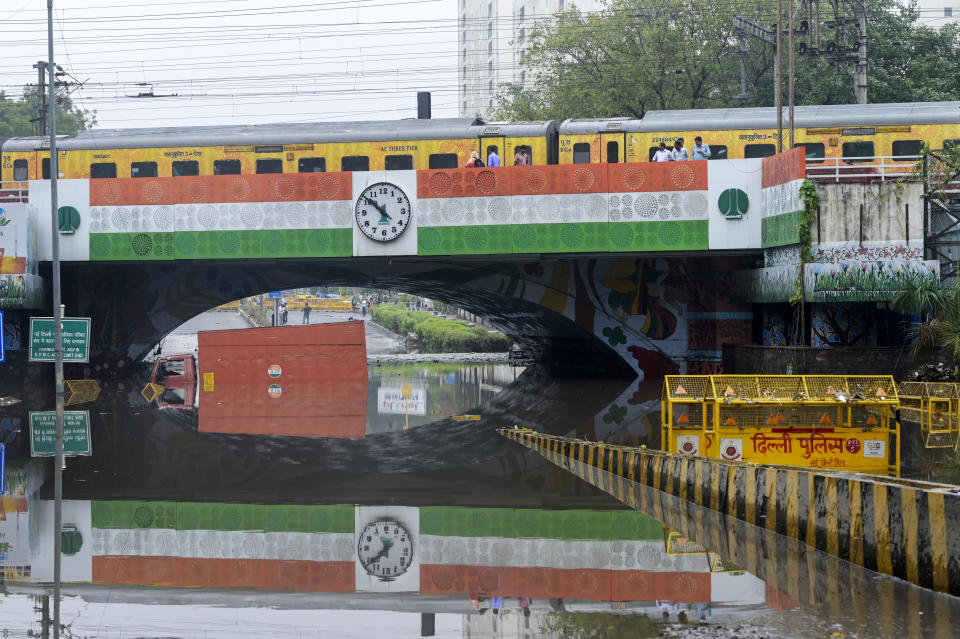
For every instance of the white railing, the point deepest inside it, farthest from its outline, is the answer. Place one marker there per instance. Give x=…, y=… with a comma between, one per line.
x=862, y=168
x=13, y=192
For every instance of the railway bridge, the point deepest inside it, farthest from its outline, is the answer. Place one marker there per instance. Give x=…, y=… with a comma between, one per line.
x=629, y=268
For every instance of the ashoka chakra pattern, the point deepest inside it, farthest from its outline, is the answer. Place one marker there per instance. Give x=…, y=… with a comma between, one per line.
x=240, y=188
x=110, y=192
x=486, y=182
x=229, y=243
x=142, y=244
x=547, y=208
x=440, y=184
x=595, y=207
x=681, y=176
x=273, y=242
x=295, y=215
x=197, y=190
x=583, y=179
x=163, y=218
x=285, y=188
x=99, y=245
x=535, y=180
x=475, y=238
x=621, y=235
x=646, y=205
x=670, y=233
x=452, y=211
x=696, y=204
x=524, y=237
x=571, y=235
x=633, y=178
x=328, y=187
x=250, y=215
x=318, y=241
x=207, y=216
x=152, y=192
x=121, y=218
x=498, y=210
x=429, y=239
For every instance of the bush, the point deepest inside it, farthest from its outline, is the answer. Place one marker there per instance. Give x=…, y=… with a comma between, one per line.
x=438, y=334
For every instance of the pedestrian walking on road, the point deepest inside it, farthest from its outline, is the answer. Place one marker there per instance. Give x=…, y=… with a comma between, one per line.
x=306, y=313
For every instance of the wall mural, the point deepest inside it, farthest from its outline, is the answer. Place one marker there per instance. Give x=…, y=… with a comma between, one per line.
x=843, y=325
x=867, y=281
x=775, y=325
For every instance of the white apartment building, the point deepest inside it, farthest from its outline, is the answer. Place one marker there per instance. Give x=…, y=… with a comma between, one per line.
x=493, y=34
x=937, y=13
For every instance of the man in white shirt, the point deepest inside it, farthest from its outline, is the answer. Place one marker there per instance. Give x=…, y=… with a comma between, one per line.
x=679, y=153
x=700, y=150
x=662, y=154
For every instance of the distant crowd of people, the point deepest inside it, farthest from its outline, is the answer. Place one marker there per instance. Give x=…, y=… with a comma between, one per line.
x=520, y=158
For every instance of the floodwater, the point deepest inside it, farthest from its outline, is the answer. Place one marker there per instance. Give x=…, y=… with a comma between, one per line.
x=391, y=511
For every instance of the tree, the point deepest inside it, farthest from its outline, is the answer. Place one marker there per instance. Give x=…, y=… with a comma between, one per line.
x=939, y=325
x=16, y=115
x=638, y=55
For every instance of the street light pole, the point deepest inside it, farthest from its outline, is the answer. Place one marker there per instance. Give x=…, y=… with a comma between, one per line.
x=57, y=327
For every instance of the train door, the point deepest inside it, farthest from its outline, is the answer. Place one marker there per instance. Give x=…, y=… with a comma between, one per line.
x=494, y=144
x=613, y=147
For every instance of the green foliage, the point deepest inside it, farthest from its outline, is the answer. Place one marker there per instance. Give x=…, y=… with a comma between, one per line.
x=939, y=326
x=599, y=625
x=636, y=56
x=438, y=334
x=808, y=191
x=15, y=115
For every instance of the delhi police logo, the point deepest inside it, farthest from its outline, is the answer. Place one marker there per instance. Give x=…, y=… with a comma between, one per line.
x=688, y=445
x=731, y=449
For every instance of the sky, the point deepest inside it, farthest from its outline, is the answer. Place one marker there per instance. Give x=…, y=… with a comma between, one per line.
x=238, y=61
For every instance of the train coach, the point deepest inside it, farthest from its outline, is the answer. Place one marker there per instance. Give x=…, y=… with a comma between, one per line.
x=850, y=134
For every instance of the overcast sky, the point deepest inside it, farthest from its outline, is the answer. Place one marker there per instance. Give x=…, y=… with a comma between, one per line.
x=239, y=61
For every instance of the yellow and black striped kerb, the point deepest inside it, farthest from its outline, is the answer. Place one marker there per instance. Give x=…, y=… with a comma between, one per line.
x=904, y=528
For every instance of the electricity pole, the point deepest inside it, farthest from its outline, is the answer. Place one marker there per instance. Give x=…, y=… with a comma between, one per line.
x=41, y=118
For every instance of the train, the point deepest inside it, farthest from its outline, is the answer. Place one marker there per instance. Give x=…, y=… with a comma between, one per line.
x=852, y=133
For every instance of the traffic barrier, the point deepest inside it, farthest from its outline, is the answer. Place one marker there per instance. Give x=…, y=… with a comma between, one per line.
x=907, y=529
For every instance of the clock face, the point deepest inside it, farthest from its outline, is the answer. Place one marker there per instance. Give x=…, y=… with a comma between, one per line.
x=385, y=549
x=383, y=211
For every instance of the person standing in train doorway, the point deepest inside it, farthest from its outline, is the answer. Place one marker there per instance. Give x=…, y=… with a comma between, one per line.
x=679, y=153
x=474, y=162
x=700, y=150
x=662, y=154
x=493, y=159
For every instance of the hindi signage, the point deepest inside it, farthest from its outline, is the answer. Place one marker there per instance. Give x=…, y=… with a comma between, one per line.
x=75, y=339
x=76, y=433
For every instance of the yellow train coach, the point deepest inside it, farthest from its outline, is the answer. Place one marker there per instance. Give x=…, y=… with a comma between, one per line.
x=835, y=135
x=280, y=148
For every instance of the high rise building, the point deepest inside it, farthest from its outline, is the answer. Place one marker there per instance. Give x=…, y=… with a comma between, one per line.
x=493, y=39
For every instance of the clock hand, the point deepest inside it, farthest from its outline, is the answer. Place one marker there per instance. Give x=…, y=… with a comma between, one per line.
x=372, y=203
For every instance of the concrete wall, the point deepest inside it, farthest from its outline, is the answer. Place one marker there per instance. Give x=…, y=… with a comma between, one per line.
x=892, y=213
x=740, y=359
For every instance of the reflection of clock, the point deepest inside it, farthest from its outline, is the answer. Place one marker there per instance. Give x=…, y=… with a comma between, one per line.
x=383, y=211
x=385, y=549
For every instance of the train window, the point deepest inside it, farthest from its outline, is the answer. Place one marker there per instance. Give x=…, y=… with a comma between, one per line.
x=950, y=144
x=443, y=160
x=398, y=163
x=45, y=168
x=653, y=151
x=226, y=167
x=613, y=152
x=21, y=170
x=100, y=170
x=581, y=153
x=718, y=151
x=355, y=163
x=860, y=149
x=312, y=165
x=907, y=147
x=759, y=150
x=527, y=153
x=814, y=151
x=184, y=168
x=270, y=165
x=143, y=169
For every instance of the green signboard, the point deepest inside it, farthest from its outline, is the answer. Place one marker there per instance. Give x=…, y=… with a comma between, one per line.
x=76, y=339
x=76, y=433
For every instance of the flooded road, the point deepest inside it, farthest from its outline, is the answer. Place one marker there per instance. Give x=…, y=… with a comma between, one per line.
x=418, y=517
